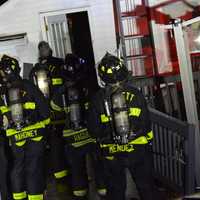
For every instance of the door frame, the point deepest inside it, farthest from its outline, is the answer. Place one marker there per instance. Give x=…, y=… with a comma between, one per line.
x=87, y=9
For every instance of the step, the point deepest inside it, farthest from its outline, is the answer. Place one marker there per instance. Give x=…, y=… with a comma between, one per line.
x=139, y=56
x=134, y=36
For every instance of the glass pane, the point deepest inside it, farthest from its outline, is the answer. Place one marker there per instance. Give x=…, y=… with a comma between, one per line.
x=193, y=33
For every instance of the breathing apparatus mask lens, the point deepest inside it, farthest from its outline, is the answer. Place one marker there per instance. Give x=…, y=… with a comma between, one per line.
x=44, y=49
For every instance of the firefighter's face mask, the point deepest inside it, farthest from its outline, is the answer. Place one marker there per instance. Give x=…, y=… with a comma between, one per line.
x=44, y=51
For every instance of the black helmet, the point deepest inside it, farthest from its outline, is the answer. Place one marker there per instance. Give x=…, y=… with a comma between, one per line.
x=9, y=68
x=111, y=69
x=43, y=44
x=44, y=49
x=74, y=66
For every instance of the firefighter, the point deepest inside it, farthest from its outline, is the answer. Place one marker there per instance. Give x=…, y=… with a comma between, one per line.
x=73, y=97
x=50, y=68
x=119, y=119
x=25, y=115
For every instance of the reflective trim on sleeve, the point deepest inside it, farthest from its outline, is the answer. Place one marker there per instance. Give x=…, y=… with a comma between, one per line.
x=149, y=135
x=36, y=197
x=80, y=193
x=104, y=118
x=20, y=195
x=29, y=105
x=135, y=112
x=55, y=107
x=57, y=81
x=61, y=174
x=4, y=109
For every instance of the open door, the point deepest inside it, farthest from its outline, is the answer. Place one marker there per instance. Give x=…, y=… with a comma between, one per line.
x=81, y=43
x=70, y=33
x=58, y=35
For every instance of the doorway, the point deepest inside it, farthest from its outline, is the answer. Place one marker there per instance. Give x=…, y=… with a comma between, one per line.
x=70, y=33
x=81, y=42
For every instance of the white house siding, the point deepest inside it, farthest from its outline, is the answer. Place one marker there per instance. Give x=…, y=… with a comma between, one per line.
x=23, y=16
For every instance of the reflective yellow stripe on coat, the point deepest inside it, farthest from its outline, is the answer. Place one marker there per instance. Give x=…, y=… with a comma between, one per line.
x=4, y=109
x=135, y=112
x=104, y=118
x=41, y=124
x=29, y=106
x=57, y=81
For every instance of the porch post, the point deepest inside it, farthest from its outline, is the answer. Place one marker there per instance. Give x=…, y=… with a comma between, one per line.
x=188, y=89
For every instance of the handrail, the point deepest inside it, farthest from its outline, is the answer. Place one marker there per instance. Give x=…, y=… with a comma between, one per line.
x=173, y=152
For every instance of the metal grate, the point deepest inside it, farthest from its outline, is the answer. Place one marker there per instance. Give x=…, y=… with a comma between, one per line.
x=173, y=149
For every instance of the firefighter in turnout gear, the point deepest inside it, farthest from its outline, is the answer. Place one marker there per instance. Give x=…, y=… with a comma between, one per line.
x=119, y=119
x=25, y=115
x=47, y=75
x=73, y=98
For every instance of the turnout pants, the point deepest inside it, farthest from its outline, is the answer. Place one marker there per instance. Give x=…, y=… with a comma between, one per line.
x=77, y=159
x=139, y=162
x=57, y=152
x=27, y=175
x=3, y=173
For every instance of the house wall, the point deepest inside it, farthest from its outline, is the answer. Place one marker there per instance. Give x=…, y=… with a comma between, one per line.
x=23, y=16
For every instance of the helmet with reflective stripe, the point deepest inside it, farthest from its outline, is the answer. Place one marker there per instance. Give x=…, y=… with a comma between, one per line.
x=9, y=68
x=112, y=69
